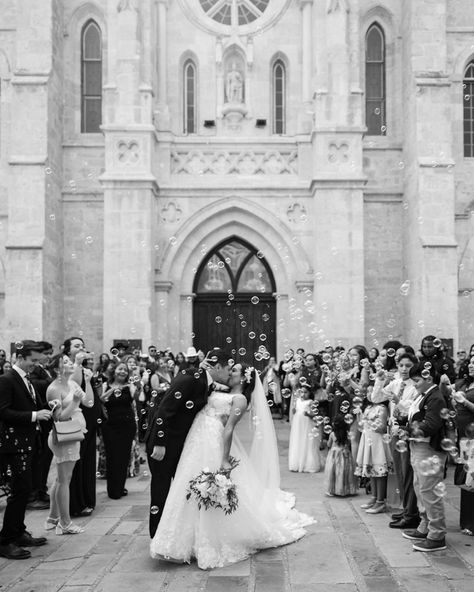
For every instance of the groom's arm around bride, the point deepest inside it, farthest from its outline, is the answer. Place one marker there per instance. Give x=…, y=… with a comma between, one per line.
x=168, y=425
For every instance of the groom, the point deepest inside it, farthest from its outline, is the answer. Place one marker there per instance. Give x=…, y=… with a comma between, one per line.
x=169, y=424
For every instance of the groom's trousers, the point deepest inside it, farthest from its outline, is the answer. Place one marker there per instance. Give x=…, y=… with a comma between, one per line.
x=162, y=472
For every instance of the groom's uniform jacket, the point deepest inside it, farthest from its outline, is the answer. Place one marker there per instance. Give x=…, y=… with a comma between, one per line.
x=169, y=424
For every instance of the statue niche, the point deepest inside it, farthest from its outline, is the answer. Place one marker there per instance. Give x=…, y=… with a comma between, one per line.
x=234, y=109
x=234, y=86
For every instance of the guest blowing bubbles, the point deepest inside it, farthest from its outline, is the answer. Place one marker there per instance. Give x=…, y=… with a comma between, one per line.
x=64, y=396
x=82, y=488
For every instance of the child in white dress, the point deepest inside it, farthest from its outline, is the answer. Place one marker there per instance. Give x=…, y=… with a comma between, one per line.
x=303, y=454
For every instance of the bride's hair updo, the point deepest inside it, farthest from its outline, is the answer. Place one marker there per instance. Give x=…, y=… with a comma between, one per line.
x=248, y=380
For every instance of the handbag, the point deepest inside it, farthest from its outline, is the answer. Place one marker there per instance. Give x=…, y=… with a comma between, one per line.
x=68, y=431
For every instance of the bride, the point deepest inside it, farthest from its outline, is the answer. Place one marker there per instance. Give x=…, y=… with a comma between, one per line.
x=264, y=517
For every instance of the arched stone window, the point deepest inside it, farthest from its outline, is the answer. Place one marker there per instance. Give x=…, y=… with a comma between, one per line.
x=189, y=97
x=375, y=108
x=279, y=97
x=468, y=104
x=91, y=78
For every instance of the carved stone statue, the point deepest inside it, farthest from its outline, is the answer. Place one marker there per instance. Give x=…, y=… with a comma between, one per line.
x=234, y=85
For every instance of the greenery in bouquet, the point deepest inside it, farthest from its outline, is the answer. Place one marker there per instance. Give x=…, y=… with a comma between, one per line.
x=215, y=489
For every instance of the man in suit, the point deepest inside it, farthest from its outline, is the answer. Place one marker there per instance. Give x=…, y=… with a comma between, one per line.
x=19, y=430
x=169, y=424
x=41, y=378
x=428, y=459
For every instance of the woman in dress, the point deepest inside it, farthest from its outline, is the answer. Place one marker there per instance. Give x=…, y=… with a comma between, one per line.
x=118, y=430
x=64, y=396
x=82, y=488
x=264, y=517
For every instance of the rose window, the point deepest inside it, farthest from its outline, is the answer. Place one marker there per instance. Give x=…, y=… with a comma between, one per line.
x=234, y=12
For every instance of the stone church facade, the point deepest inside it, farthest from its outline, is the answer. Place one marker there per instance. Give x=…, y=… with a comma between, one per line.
x=283, y=172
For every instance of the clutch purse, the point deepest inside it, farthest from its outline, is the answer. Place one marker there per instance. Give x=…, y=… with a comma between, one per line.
x=68, y=431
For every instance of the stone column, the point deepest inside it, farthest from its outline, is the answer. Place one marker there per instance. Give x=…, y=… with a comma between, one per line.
x=129, y=186
x=430, y=290
x=337, y=186
x=33, y=295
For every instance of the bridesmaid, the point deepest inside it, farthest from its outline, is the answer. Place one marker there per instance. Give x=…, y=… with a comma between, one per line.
x=82, y=487
x=119, y=430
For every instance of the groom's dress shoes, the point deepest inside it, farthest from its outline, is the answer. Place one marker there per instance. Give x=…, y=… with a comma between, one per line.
x=26, y=540
x=12, y=551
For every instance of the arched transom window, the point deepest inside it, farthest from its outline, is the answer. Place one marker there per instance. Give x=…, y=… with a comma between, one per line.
x=235, y=268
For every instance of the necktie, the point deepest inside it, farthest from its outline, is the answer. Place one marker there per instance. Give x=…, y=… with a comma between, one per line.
x=30, y=387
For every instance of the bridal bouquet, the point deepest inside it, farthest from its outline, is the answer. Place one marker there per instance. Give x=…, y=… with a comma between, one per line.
x=215, y=489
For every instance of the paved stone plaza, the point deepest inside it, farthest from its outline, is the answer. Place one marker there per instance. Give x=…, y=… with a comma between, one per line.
x=346, y=551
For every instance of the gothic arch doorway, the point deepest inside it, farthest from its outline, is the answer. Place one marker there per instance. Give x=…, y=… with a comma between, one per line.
x=235, y=305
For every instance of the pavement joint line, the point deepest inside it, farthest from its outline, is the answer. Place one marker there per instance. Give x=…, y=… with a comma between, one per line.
x=359, y=579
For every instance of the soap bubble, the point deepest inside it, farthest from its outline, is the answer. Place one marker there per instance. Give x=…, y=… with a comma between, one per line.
x=159, y=421
x=154, y=510
x=401, y=446
x=391, y=352
x=255, y=300
x=19, y=345
x=218, y=319
x=286, y=393
x=348, y=418
x=447, y=444
x=327, y=429
x=189, y=404
x=405, y=288
x=160, y=434
x=252, y=335
x=437, y=342
x=242, y=351
x=440, y=489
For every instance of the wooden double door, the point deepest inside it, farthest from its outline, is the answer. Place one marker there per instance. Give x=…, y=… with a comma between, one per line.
x=244, y=328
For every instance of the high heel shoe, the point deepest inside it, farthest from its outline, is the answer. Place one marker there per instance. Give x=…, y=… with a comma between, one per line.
x=50, y=523
x=71, y=528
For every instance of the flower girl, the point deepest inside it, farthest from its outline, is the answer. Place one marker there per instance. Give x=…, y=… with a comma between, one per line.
x=340, y=465
x=303, y=455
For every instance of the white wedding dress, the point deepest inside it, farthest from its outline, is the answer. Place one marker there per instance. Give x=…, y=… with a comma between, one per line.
x=264, y=518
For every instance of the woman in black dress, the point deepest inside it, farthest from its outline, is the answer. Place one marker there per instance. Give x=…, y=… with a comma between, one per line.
x=118, y=430
x=82, y=487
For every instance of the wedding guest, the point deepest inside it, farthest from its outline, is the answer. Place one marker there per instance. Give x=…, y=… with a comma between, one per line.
x=119, y=430
x=373, y=354
x=65, y=397
x=83, y=481
x=180, y=363
x=401, y=392
x=464, y=405
x=463, y=371
x=373, y=456
x=161, y=379
x=303, y=452
x=41, y=378
x=431, y=351
x=271, y=385
x=19, y=425
x=6, y=366
x=339, y=470
x=428, y=459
